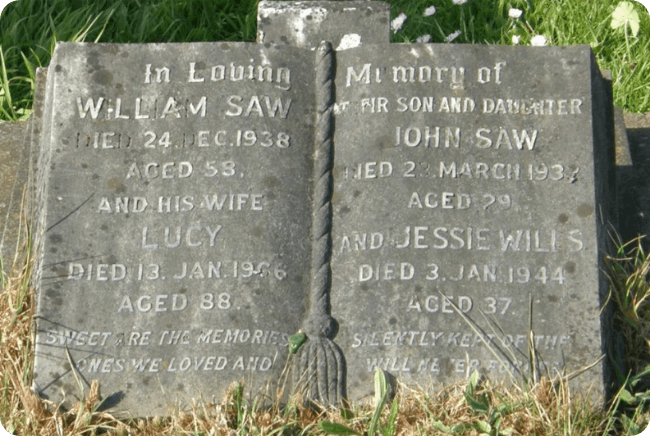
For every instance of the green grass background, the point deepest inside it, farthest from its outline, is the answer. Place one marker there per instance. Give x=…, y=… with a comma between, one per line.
x=30, y=28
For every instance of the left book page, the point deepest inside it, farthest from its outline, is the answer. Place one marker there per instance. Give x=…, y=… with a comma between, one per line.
x=174, y=230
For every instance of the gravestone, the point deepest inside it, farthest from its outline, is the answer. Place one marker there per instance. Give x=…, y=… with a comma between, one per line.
x=633, y=181
x=17, y=164
x=14, y=170
x=306, y=24
x=427, y=209
x=473, y=188
x=176, y=218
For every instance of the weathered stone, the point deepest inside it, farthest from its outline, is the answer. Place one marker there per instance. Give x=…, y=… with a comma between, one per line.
x=175, y=219
x=17, y=163
x=306, y=24
x=14, y=171
x=633, y=188
x=473, y=191
x=443, y=208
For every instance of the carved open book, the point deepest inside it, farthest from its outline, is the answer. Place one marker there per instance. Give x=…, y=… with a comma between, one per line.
x=432, y=210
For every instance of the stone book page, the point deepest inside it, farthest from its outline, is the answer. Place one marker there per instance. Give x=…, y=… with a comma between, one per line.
x=470, y=212
x=175, y=219
x=431, y=210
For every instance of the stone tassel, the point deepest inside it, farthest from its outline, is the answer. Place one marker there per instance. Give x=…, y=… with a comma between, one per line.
x=320, y=364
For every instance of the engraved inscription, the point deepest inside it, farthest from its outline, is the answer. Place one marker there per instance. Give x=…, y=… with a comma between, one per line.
x=464, y=238
x=501, y=171
x=464, y=190
x=181, y=183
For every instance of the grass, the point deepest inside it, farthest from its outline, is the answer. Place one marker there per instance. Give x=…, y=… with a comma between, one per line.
x=30, y=28
x=472, y=408
x=28, y=32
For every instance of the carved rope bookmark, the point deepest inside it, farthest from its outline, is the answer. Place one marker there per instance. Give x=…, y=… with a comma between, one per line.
x=320, y=363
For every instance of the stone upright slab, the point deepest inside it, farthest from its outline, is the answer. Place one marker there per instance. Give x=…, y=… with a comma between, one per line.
x=305, y=24
x=633, y=193
x=14, y=172
x=18, y=159
x=174, y=224
x=431, y=210
x=472, y=202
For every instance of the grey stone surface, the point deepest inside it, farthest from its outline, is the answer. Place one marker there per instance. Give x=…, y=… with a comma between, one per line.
x=174, y=220
x=18, y=159
x=306, y=24
x=626, y=199
x=636, y=121
x=623, y=155
x=14, y=171
x=472, y=199
x=633, y=189
x=428, y=209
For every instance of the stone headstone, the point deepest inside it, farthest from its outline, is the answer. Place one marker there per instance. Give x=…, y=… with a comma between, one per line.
x=175, y=219
x=442, y=208
x=473, y=188
x=634, y=200
x=306, y=24
x=18, y=159
x=14, y=172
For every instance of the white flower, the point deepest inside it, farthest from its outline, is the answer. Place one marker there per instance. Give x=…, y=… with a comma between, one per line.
x=515, y=39
x=398, y=22
x=460, y=2
x=625, y=15
x=453, y=36
x=514, y=13
x=424, y=38
x=429, y=11
x=538, y=41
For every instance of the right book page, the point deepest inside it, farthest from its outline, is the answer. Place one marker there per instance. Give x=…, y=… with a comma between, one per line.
x=468, y=214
